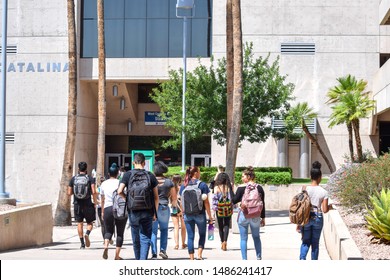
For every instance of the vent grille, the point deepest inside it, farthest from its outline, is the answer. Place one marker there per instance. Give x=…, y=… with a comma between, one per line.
x=11, y=49
x=298, y=48
x=9, y=138
x=311, y=125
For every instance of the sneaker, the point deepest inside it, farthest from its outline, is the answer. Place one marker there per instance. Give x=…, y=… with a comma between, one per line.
x=154, y=257
x=259, y=258
x=82, y=246
x=163, y=254
x=105, y=254
x=87, y=242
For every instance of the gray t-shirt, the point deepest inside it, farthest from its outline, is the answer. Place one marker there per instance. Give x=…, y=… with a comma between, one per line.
x=164, y=190
x=317, y=195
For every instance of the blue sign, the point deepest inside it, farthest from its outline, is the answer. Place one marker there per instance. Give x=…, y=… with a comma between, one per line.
x=153, y=118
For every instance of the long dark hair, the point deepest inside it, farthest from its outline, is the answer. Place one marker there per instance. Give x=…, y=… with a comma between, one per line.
x=191, y=170
x=224, y=180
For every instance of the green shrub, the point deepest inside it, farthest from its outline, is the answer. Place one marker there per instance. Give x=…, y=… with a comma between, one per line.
x=361, y=181
x=378, y=218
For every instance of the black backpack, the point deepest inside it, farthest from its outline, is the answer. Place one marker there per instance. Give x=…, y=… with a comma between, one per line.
x=139, y=191
x=119, y=206
x=81, y=186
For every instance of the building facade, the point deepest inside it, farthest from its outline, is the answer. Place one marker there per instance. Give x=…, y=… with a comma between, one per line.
x=317, y=42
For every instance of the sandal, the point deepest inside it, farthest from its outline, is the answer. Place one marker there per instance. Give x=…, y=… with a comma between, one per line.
x=184, y=246
x=176, y=247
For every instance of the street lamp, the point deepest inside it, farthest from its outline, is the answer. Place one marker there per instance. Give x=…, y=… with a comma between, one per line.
x=3, y=194
x=188, y=9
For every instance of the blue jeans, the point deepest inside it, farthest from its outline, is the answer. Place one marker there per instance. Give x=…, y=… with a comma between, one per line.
x=163, y=220
x=311, y=234
x=141, y=232
x=243, y=224
x=200, y=221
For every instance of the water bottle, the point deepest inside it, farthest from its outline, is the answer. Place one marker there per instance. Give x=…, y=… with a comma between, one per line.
x=210, y=232
x=174, y=210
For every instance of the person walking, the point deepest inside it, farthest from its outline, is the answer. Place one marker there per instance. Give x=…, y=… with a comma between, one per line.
x=246, y=220
x=82, y=189
x=166, y=190
x=311, y=232
x=142, y=204
x=107, y=189
x=223, y=207
x=189, y=191
x=177, y=215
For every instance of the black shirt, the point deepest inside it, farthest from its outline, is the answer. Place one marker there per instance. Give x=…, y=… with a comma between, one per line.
x=240, y=193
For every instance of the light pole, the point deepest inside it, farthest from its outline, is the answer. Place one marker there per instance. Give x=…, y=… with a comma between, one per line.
x=3, y=194
x=188, y=7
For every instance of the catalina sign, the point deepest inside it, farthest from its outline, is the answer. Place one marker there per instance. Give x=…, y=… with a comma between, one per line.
x=22, y=67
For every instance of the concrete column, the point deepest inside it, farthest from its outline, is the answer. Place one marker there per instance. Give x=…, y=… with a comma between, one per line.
x=304, y=157
x=282, y=152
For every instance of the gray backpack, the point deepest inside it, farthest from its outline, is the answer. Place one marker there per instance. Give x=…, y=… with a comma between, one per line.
x=81, y=186
x=119, y=206
x=191, y=198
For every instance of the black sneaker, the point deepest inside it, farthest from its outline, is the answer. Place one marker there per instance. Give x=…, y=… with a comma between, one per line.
x=163, y=254
x=154, y=257
x=82, y=246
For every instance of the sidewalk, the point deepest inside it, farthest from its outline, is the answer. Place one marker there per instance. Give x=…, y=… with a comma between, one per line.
x=279, y=240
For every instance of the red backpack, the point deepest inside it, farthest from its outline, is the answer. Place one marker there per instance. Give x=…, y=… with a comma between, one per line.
x=253, y=201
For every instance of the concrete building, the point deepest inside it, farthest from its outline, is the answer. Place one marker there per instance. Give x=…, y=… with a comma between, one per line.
x=332, y=38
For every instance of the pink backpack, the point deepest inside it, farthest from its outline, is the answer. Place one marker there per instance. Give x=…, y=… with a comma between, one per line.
x=253, y=201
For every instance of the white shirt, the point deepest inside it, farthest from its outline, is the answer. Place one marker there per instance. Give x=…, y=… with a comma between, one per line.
x=106, y=189
x=317, y=195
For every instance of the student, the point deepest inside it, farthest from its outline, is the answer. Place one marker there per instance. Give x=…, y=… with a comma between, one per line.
x=165, y=191
x=110, y=223
x=190, y=220
x=311, y=232
x=177, y=218
x=248, y=177
x=82, y=189
x=141, y=217
x=223, y=194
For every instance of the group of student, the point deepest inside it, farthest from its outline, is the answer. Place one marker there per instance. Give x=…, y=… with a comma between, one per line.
x=167, y=202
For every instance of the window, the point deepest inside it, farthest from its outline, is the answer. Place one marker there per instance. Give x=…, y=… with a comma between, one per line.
x=143, y=92
x=383, y=57
x=146, y=28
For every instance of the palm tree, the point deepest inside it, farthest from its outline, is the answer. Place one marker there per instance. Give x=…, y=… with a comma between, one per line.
x=62, y=215
x=346, y=84
x=298, y=116
x=232, y=143
x=352, y=103
x=229, y=69
x=102, y=94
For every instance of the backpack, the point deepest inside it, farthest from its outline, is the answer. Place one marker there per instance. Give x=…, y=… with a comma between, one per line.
x=224, y=206
x=191, y=198
x=253, y=201
x=139, y=191
x=81, y=186
x=300, y=206
x=119, y=206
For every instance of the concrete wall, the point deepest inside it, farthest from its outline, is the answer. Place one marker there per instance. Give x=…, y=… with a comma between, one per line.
x=338, y=240
x=26, y=226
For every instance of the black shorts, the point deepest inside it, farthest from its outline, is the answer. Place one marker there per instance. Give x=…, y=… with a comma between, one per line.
x=86, y=212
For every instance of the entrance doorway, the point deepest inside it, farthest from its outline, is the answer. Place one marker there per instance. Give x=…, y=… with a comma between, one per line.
x=384, y=137
x=120, y=159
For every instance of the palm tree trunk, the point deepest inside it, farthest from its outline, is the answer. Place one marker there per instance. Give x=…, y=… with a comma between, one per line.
x=232, y=148
x=229, y=70
x=315, y=142
x=359, y=148
x=101, y=95
x=62, y=215
x=350, y=141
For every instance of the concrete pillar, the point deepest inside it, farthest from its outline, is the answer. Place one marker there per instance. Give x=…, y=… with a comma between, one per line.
x=282, y=152
x=304, y=157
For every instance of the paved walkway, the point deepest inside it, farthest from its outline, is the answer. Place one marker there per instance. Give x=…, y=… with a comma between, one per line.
x=279, y=240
